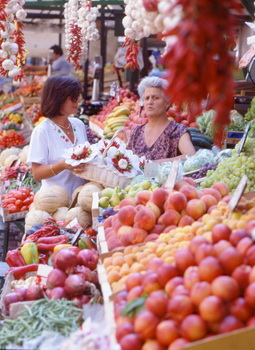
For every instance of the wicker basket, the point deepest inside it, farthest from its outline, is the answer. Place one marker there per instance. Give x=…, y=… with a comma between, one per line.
x=102, y=174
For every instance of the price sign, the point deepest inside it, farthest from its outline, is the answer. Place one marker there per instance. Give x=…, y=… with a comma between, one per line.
x=170, y=182
x=42, y=274
x=244, y=137
x=238, y=193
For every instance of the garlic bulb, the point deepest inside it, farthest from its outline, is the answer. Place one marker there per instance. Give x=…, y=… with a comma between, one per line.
x=21, y=14
x=14, y=72
x=14, y=48
x=8, y=64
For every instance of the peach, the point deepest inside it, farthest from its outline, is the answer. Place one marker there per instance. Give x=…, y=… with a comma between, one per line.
x=195, y=208
x=230, y=323
x=143, y=197
x=179, y=184
x=203, y=251
x=219, y=232
x=125, y=239
x=225, y=287
x=135, y=292
x=127, y=201
x=237, y=235
x=126, y=215
x=172, y=284
x=170, y=217
x=249, y=294
x=157, y=302
x=150, y=282
x=154, y=264
x=113, y=243
x=212, y=309
x=137, y=235
x=211, y=191
x=166, y=332
x=230, y=258
x=250, y=226
x=145, y=219
x=133, y=280
x=242, y=274
x=193, y=327
x=183, y=259
x=220, y=246
x=166, y=272
x=221, y=187
x=190, y=181
x=199, y=292
x=169, y=228
x=108, y=222
x=156, y=210
x=176, y=201
x=209, y=200
x=117, y=224
x=179, y=307
x=185, y=221
x=195, y=242
x=131, y=341
x=124, y=329
x=180, y=290
x=191, y=277
x=151, y=237
x=209, y=268
x=243, y=245
x=250, y=255
x=123, y=229
x=146, y=324
x=240, y=309
x=157, y=229
x=151, y=344
x=251, y=322
x=189, y=192
x=159, y=197
x=178, y=344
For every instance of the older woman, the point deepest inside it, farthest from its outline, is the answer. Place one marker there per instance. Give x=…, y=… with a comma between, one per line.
x=160, y=138
x=56, y=133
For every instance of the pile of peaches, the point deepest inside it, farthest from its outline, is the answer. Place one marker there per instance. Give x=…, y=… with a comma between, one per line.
x=209, y=289
x=143, y=218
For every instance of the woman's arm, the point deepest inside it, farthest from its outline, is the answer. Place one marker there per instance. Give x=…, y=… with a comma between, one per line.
x=185, y=145
x=45, y=171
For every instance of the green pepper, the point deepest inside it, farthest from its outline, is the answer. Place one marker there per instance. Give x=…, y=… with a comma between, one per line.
x=82, y=244
x=29, y=252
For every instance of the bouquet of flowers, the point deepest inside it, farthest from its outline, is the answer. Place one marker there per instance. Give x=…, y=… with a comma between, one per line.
x=82, y=153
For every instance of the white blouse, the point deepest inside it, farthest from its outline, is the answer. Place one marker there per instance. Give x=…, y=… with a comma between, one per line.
x=47, y=144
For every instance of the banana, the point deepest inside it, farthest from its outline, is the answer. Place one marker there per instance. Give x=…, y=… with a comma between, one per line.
x=121, y=111
x=107, y=129
x=117, y=127
x=109, y=134
x=112, y=115
x=117, y=108
x=121, y=119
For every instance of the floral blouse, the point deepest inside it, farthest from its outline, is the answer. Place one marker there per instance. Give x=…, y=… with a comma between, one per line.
x=166, y=146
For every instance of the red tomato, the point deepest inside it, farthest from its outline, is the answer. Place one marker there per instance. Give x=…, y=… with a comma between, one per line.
x=27, y=201
x=19, y=203
x=18, y=195
x=24, y=208
x=10, y=200
x=13, y=209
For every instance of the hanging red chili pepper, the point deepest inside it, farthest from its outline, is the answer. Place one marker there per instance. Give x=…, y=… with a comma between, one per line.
x=3, y=14
x=20, y=41
x=131, y=53
x=75, y=45
x=199, y=64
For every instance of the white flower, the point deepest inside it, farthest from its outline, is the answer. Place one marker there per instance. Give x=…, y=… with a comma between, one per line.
x=14, y=48
x=14, y=72
x=122, y=163
x=8, y=64
x=21, y=14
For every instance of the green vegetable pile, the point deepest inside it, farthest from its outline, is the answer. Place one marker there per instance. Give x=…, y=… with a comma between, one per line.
x=27, y=182
x=60, y=316
x=250, y=114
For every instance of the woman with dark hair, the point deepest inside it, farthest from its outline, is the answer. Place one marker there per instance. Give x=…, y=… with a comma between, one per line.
x=56, y=133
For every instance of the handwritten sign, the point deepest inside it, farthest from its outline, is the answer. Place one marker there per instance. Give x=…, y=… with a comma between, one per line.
x=244, y=137
x=170, y=182
x=238, y=193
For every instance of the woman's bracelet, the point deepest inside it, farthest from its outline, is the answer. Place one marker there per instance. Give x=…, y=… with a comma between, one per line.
x=51, y=168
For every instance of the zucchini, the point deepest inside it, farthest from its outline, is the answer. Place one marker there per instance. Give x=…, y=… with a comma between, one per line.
x=201, y=136
x=201, y=142
x=196, y=130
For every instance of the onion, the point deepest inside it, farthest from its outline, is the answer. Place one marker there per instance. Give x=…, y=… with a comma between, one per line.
x=22, y=292
x=88, y=258
x=81, y=300
x=34, y=292
x=95, y=278
x=75, y=285
x=56, y=278
x=11, y=298
x=85, y=272
x=65, y=260
x=57, y=293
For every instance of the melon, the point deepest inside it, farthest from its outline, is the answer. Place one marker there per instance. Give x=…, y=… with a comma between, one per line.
x=83, y=217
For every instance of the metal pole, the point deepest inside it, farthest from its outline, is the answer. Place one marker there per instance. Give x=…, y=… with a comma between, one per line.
x=86, y=70
x=103, y=46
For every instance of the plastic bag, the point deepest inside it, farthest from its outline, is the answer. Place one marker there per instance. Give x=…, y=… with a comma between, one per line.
x=164, y=171
x=198, y=160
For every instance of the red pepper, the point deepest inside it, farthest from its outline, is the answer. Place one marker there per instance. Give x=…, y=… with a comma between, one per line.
x=20, y=271
x=14, y=258
x=52, y=239
x=50, y=246
x=43, y=258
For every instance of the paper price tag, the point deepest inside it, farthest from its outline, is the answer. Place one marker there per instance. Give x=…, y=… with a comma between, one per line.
x=6, y=184
x=244, y=137
x=73, y=223
x=238, y=193
x=42, y=274
x=170, y=182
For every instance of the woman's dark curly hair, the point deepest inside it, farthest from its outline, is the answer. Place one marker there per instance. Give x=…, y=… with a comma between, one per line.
x=55, y=92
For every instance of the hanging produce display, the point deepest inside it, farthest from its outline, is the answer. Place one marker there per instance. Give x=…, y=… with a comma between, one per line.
x=12, y=41
x=80, y=28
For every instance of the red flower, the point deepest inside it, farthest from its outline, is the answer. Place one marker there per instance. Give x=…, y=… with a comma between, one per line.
x=86, y=152
x=116, y=160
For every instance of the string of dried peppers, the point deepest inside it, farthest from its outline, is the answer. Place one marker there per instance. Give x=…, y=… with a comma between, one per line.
x=131, y=53
x=199, y=64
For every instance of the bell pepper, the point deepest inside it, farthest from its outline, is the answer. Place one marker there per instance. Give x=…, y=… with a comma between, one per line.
x=20, y=271
x=61, y=246
x=49, y=243
x=14, y=258
x=86, y=243
x=29, y=252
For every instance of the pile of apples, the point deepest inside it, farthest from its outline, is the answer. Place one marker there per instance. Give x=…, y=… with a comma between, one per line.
x=181, y=117
x=143, y=218
x=208, y=290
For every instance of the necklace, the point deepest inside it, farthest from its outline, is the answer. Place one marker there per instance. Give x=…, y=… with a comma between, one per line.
x=63, y=127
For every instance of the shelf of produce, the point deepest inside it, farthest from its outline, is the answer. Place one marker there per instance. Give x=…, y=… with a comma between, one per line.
x=96, y=129
x=13, y=107
x=12, y=216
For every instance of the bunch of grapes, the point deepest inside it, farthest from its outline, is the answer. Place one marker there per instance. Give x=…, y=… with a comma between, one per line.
x=203, y=171
x=92, y=137
x=230, y=170
x=248, y=148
